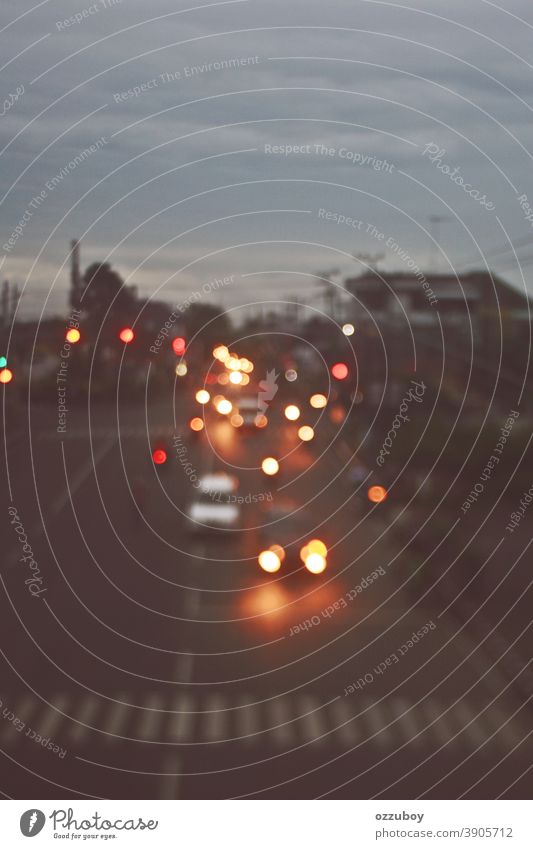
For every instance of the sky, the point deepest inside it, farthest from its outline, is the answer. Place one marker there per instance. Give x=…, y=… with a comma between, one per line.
x=265, y=141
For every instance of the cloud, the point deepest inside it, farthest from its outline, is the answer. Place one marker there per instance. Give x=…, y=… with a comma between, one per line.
x=167, y=189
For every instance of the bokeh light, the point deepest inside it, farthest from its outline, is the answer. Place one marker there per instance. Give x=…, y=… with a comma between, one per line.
x=73, y=335
x=377, y=494
x=269, y=561
x=315, y=563
x=179, y=345
x=318, y=401
x=224, y=407
x=270, y=466
x=126, y=335
x=292, y=412
x=339, y=371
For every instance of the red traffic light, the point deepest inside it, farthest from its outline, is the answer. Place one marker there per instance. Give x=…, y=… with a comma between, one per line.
x=339, y=371
x=159, y=456
x=178, y=345
x=126, y=335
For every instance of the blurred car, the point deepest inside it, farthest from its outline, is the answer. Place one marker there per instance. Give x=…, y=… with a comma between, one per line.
x=215, y=508
x=287, y=541
x=247, y=409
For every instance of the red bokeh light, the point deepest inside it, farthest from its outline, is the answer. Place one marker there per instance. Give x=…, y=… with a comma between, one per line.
x=126, y=335
x=339, y=371
x=179, y=345
x=159, y=456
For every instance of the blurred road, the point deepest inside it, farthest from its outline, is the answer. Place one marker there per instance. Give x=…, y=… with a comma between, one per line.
x=164, y=663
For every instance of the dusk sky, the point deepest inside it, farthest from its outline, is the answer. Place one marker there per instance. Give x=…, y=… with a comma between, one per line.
x=194, y=107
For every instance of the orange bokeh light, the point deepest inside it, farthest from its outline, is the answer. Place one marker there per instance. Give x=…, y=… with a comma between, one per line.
x=377, y=494
x=73, y=335
x=196, y=424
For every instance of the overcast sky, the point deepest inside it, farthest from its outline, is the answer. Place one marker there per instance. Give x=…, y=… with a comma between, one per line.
x=182, y=188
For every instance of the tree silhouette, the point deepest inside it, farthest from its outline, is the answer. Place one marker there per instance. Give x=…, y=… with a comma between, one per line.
x=106, y=302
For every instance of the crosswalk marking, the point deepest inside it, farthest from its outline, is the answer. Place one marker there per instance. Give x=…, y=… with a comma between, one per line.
x=282, y=728
x=151, y=717
x=248, y=719
x=407, y=723
x=115, y=718
x=215, y=722
x=313, y=726
x=181, y=722
x=441, y=727
x=285, y=721
x=472, y=727
x=343, y=722
x=376, y=719
x=23, y=711
x=53, y=717
x=85, y=716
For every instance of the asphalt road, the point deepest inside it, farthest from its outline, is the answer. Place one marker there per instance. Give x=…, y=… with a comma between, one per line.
x=162, y=662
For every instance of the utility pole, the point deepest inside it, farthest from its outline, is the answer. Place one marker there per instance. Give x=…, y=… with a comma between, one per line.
x=4, y=302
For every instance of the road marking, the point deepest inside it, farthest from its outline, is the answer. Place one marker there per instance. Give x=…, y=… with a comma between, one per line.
x=170, y=782
x=376, y=719
x=24, y=710
x=346, y=727
x=509, y=731
x=151, y=717
x=283, y=730
x=53, y=717
x=68, y=490
x=289, y=721
x=215, y=722
x=182, y=721
x=472, y=730
x=407, y=722
x=80, y=478
x=86, y=715
x=248, y=720
x=115, y=718
x=313, y=727
x=441, y=727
